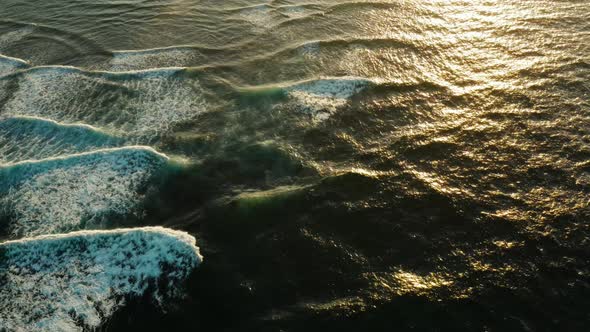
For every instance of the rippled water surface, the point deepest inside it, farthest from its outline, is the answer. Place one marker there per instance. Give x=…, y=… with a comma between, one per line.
x=360, y=165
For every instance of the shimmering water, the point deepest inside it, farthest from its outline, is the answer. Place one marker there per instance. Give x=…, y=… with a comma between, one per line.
x=361, y=165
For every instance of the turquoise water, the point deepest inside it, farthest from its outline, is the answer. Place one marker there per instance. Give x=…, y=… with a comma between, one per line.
x=361, y=165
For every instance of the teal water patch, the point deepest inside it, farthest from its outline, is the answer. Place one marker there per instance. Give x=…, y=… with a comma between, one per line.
x=27, y=138
x=76, y=281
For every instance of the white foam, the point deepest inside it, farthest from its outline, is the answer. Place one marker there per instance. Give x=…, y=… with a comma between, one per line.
x=24, y=137
x=54, y=283
x=297, y=11
x=323, y=97
x=260, y=16
x=77, y=191
x=9, y=38
x=140, y=105
x=147, y=59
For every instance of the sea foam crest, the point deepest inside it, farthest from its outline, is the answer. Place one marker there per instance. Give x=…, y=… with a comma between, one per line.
x=323, y=97
x=77, y=191
x=142, y=104
x=74, y=281
x=24, y=137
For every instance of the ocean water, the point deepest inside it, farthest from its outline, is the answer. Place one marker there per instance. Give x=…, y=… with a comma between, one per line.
x=282, y=165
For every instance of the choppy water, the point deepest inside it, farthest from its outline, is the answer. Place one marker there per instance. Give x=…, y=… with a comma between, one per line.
x=361, y=165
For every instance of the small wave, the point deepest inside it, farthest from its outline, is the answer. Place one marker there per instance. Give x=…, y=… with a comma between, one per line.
x=76, y=191
x=74, y=281
x=25, y=137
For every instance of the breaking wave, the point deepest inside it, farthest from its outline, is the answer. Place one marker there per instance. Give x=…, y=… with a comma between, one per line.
x=75, y=281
